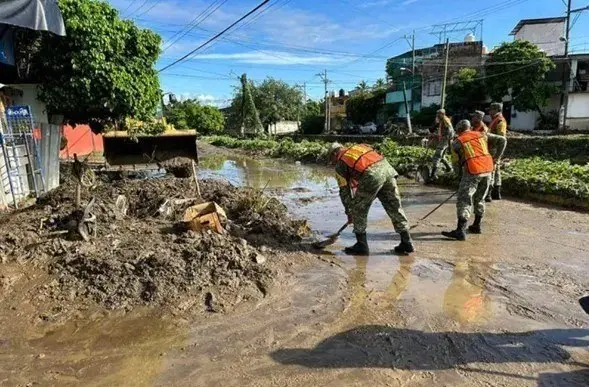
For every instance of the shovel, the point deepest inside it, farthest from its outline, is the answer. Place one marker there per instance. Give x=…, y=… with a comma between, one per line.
x=330, y=240
x=434, y=210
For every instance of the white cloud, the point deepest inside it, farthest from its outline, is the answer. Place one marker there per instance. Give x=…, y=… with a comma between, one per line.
x=273, y=58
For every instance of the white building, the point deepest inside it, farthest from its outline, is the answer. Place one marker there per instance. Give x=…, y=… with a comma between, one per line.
x=548, y=34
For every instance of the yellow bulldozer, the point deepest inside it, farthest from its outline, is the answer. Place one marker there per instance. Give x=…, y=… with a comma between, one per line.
x=137, y=146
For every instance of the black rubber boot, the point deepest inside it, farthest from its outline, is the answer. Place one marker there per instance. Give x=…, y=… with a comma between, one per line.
x=432, y=175
x=406, y=245
x=489, y=197
x=459, y=233
x=361, y=246
x=496, y=193
x=476, y=226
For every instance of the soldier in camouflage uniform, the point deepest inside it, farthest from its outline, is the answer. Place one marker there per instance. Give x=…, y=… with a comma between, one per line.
x=474, y=154
x=445, y=135
x=498, y=126
x=377, y=180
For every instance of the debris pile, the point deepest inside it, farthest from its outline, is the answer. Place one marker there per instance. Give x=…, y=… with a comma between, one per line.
x=147, y=257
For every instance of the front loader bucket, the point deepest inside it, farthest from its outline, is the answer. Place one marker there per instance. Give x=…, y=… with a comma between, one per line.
x=121, y=149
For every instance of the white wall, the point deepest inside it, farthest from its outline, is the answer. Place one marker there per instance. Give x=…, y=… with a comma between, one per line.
x=427, y=101
x=546, y=36
x=284, y=127
x=524, y=120
x=29, y=97
x=578, y=111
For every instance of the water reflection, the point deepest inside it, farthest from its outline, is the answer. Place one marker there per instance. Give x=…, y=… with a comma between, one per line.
x=245, y=171
x=466, y=300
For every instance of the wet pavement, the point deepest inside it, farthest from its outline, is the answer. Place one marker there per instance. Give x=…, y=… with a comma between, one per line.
x=497, y=310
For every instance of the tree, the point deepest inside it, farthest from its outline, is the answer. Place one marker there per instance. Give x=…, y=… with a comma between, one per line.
x=467, y=93
x=274, y=101
x=314, y=108
x=103, y=70
x=519, y=69
x=362, y=87
x=190, y=114
x=380, y=84
x=364, y=107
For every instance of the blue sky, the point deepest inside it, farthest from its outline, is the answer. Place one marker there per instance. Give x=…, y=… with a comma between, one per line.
x=295, y=39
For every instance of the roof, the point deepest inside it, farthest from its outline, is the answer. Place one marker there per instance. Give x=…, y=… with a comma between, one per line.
x=546, y=20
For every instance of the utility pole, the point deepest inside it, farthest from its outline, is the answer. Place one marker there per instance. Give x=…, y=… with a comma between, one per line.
x=446, y=73
x=564, y=96
x=412, y=46
x=408, y=113
x=243, y=80
x=325, y=80
x=412, y=72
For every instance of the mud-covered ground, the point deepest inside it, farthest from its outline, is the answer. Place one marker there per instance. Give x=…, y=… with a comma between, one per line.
x=147, y=257
x=498, y=310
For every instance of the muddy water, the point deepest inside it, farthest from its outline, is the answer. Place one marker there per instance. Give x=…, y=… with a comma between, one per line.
x=499, y=309
x=451, y=303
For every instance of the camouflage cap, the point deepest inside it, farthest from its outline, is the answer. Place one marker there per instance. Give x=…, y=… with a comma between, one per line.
x=443, y=111
x=334, y=147
x=478, y=113
x=496, y=106
x=462, y=125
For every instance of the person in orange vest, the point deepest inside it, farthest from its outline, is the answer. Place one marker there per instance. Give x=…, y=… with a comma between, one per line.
x=497, y=126
x=445, y=133
x=364, y=175
x=473, y=154
x=477, y=122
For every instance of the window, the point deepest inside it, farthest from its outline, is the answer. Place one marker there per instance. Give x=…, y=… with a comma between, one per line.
x=433, y=88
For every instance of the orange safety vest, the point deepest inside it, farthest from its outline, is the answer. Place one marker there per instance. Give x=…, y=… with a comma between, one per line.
x=482, y=128
x=476, y=152
x=359, y=157
x=495, y=122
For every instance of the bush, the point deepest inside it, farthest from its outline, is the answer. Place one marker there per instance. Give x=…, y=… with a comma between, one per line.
x=548, y=121
x=313, y=125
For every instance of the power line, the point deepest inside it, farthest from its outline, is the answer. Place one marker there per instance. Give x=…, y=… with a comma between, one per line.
x=193, y=23
x=128, y=6
x=138, y=8
x=148, y=9
x=217, y=36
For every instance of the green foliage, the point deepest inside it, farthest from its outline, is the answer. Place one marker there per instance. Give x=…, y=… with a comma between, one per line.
x=313, y=124
x=274, y=101
x=314, y=108
x=364, y=107
x=519, y=67
x=532, y=176
x=467, y=93
x=535, y=175
x=101, y=71
x=190, y=114
x=548, y=121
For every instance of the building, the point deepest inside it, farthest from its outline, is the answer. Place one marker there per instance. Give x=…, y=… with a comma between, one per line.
x=423, y=87
x=548, y=34
x=337, y=110
x=545, y=33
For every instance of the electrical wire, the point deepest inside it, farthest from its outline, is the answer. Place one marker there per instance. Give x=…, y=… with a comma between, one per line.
x=201, y=17
x=216, y=36
x=148, y=9
x=138, y=8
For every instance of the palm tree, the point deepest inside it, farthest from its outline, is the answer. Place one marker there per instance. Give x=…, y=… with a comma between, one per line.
x=362, y=87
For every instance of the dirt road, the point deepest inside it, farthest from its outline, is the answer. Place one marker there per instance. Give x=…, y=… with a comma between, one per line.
x=497, y=310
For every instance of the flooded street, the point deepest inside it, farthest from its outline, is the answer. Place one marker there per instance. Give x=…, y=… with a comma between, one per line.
x=498, y=310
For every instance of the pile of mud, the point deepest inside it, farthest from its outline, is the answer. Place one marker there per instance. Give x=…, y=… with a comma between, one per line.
x=144, y=258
